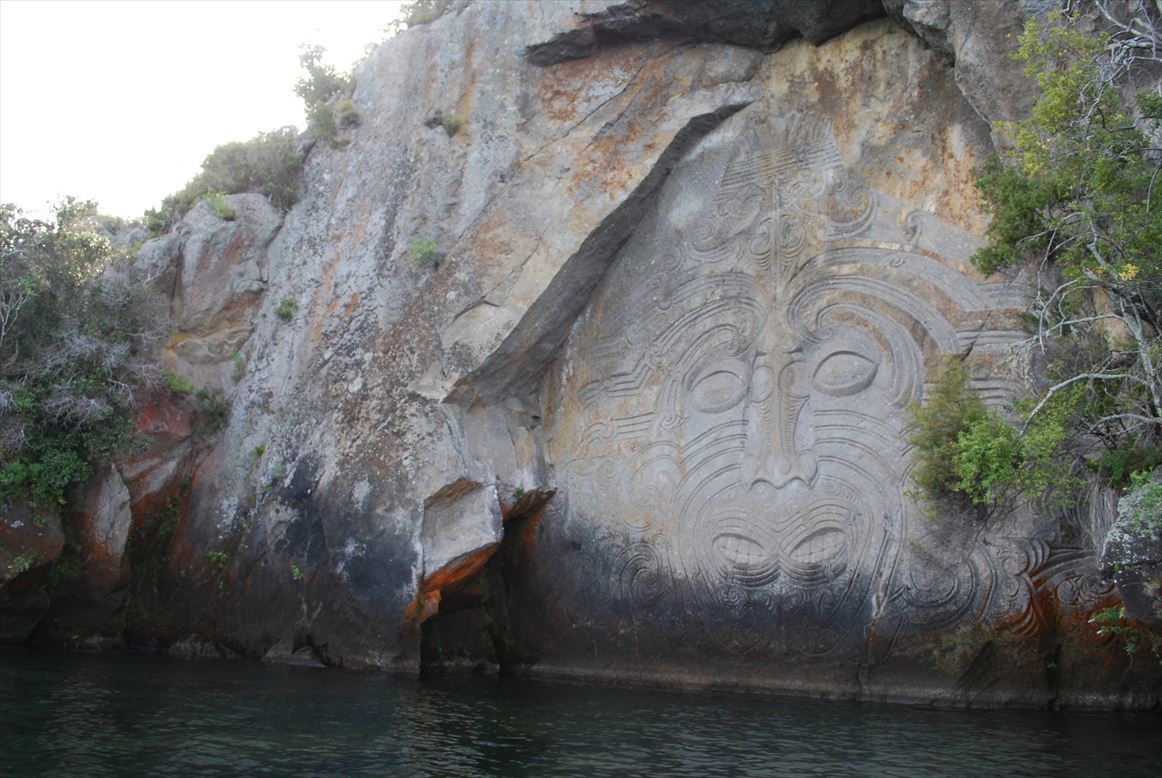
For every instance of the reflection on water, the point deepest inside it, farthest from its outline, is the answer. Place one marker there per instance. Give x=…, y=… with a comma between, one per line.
x=145, y=715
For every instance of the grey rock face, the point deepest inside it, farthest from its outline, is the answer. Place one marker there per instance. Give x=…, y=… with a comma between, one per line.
x=977, y=37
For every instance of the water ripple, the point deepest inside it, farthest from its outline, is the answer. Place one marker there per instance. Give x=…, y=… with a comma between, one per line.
x=143, y=715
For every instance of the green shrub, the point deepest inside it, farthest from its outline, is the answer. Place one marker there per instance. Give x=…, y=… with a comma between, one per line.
x=286, y=309
x=211, y=410
x=951, y=409
x=269, y=164
x=451, y=124
x=319, y=87
x=220, y=206
x=178, y=384
x=1116, y=622
x=320, y=82
x=77, y=329
x=964, y=449
x=44, y=474
x=219, y=558
x=420, y=12
x=1146, y=513
x=1118, y=466
x=1077, y=194
x=425, y=251
x=346, y=114
x=321, y=122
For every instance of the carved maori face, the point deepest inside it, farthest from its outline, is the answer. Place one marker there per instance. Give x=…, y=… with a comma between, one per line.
x=747, y=426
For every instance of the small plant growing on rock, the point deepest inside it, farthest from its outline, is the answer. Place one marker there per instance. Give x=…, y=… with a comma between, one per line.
x=321, y=121
x=425, y=251
x=212, y=410
x=220, y=206
x=20, y=564
x=450, y=123
x=286, y=309
x=296, y=573
x=1146, y=513
x=177, y=384
x=1114, y=621
x=420, y=12
x=219, y=558
x=346, y=115
x=239, y=362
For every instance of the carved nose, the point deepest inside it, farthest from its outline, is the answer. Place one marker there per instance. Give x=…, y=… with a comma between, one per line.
x=778, y=469
x=772, y=456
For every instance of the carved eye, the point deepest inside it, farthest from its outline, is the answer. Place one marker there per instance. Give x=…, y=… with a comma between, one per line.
x=719, y=387
x=844, y=373
x=795, y=380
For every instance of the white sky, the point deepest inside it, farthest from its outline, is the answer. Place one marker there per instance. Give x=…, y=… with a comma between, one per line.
x=120, y=101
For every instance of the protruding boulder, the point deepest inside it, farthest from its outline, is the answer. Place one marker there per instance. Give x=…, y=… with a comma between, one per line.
x=1132, y=554
x=461, y=531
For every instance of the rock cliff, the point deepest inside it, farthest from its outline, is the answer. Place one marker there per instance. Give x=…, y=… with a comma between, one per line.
x=643, y=417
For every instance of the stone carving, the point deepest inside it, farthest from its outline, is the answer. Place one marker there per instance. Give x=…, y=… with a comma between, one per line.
x=741, y=399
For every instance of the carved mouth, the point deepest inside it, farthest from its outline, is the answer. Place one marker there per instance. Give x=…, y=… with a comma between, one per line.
x=743, y=559
x=813, y=543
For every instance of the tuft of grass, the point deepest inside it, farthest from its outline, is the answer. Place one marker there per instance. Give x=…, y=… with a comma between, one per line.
x=450, y=123
x=239, y=362
x=425, y=251
x=346, y=115
x=286, y=309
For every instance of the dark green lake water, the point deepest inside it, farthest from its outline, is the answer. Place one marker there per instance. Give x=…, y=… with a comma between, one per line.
x=84, y=715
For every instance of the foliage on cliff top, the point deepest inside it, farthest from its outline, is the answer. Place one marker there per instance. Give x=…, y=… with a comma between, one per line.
x=76, y=330
x=1076, y=201
x=270, y=163
x=320, y=81
x=420, y=12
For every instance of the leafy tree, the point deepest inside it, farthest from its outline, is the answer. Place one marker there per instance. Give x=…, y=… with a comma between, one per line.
x=1076, y=199
x=75, y=335
x=320, y=81
x=319, y=87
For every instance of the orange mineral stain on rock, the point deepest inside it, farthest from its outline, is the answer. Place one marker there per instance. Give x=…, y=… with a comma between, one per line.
x=427, y=600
